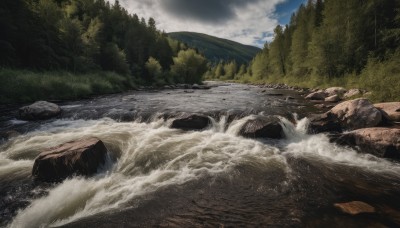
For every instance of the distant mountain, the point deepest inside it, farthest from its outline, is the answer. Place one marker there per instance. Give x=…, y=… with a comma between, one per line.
x=216, y=49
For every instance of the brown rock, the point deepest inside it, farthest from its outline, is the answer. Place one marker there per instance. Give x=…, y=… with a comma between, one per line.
x=317, y=96
x=355, y=207
x=340, y=91
x=191, y=122
x=333, y=99
x=352, y=93
x=382, y=142
x=262, y=127
x=356, y=114
x=392, y=109
x=82, y=157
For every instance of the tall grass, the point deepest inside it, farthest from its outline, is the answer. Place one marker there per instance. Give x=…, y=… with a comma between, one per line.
x=381, y=78
x=18, y=86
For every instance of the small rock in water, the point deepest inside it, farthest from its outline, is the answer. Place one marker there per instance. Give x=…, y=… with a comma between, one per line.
x=262, y=127
x=40, y=110
x=191, y=122
x=82, y=157
x=355, y=207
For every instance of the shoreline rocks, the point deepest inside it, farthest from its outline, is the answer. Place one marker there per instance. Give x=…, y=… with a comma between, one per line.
x=40, y=110
x=382, y=142
x=81, y=157
x=392, y=109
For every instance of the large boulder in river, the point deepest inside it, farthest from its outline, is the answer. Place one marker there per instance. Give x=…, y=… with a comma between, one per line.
x=191, y=122
x=39, y=110
x=320, y=95
x=340, y=91
x=348, y=115
x=392, y=109
x=382, y=142
x=356, y=114
x=82, y=157
x=262, y=127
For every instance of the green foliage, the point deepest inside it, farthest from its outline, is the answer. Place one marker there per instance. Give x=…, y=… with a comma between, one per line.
x=189, y=67
x=27, y=86
x=217, y=49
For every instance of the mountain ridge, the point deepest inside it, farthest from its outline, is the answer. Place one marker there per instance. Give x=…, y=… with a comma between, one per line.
x=216, y=49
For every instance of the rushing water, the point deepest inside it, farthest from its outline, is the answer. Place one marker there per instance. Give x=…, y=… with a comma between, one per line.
x=157, y=176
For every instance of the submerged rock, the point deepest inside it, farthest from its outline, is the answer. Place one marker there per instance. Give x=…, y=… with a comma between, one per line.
x=355, y=207
x=82, y=157
x=392, y=109
x=39, y=110
x=191, y=122
x=262, y=127
x=382, y=142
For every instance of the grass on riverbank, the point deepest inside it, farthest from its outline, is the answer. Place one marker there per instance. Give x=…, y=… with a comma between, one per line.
x=19, y=86
x=382, y=79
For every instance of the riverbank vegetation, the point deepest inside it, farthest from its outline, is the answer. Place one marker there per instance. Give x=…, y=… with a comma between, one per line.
x=65, y=49
x=346, y=43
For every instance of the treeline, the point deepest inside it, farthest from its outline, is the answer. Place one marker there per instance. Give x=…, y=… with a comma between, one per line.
x=342, y=42
x=86, y=36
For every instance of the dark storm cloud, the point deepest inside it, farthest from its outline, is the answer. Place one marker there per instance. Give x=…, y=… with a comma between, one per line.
x=209, y=11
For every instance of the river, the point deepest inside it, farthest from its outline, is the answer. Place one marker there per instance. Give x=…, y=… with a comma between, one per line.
x=158, y=176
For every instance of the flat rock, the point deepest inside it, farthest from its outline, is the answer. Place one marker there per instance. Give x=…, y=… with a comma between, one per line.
x=355, y=207
x=382, y=142
x=81, y=157
x=191, y=122
x=356, y=114
x=262, y=127
x=40, y=110
x=392, y=109
x=317, y=96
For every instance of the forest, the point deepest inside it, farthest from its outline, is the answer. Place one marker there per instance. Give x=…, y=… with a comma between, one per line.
x=68, y=49
x=348, y=43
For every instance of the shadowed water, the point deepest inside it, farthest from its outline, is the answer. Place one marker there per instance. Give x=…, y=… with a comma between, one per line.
x=157, y=176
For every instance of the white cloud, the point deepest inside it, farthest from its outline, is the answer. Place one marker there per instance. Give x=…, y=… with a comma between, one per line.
x=249, y=24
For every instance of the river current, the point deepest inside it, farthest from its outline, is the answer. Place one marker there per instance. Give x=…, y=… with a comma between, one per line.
x=163, y=177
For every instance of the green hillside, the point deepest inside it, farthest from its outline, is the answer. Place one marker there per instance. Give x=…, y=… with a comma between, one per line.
x=216, y=49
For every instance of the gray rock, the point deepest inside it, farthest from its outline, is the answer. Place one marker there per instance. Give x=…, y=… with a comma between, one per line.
x=352, y=93
x=39, y=110
x=340, y=91
x=392, y=109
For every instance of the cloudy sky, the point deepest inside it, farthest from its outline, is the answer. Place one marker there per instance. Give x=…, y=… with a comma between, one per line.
x=245, y=21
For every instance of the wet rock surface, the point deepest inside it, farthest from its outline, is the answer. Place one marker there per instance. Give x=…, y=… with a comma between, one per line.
x=191, y=122
x=81, y=157
x=355, y=207
x=40, y=110
x=262, y=127
x=382, y=142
